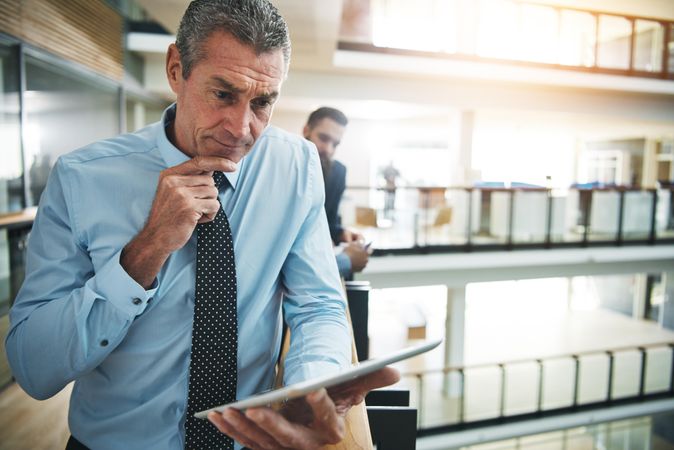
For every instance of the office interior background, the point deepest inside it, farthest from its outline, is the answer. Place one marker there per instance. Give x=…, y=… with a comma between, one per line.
x=511, y=161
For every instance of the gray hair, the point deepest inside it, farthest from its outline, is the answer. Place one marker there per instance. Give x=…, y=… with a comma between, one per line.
x=256, y=23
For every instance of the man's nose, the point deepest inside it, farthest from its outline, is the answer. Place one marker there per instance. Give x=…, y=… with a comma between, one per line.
x=326, y=148
x=237, y=121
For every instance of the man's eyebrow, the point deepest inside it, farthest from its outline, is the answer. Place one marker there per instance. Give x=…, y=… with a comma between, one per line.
x=269, y=96
x=226, y=85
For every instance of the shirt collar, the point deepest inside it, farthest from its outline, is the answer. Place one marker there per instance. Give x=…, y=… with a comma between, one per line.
x=173, y=156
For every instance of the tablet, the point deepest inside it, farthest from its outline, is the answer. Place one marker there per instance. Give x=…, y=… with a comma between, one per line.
x=306, y=387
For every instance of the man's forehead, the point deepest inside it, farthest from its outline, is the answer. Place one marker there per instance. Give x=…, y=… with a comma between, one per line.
x=223, y=49
x=328, y=123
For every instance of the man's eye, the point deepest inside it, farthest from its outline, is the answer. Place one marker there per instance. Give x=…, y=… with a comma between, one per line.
x=223, y=95
x=261, y=103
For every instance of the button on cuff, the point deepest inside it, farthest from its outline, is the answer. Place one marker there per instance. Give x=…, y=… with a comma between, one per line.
x=112, y=283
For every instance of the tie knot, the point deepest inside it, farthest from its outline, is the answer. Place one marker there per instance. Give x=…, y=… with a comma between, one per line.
x=219, y=178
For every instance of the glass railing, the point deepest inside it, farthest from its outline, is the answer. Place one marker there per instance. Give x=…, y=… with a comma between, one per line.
x=512, y=30
x=459, y=397
x=449, y=219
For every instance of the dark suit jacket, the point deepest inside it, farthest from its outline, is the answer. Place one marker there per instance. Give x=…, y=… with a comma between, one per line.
x=334, y=188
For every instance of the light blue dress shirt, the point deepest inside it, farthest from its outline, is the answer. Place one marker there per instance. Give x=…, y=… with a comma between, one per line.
x=80, y=317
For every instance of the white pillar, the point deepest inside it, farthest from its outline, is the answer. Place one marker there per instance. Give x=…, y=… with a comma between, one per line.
x=649, y=169
x=463, y=163
x=139, y=120
x=454, y=337
x=639, y=302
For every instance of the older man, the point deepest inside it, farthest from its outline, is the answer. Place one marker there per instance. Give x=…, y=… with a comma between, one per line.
x=159, y=261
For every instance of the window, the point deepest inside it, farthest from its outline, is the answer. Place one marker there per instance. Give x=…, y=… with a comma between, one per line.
x=577, y=38
x=497, y=30
x=615, y=34
x=648, y=46
x=538, y=34
x=427, y=25
x=64, y=111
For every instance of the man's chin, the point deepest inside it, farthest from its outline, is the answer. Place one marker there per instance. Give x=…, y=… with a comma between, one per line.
x=326, y=166
x=234, y=154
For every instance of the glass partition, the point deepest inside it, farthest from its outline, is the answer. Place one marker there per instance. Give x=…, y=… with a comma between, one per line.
x=648, y=41
x=11, y=170
x=614, y=42
x=416, y=217
x=58, y=102
x=577, y=38
x=664, y=213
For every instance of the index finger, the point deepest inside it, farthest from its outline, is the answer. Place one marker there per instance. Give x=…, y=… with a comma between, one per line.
x=204, y=164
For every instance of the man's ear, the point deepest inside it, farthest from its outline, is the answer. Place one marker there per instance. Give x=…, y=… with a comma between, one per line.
x=174, y=69
x=306, y=131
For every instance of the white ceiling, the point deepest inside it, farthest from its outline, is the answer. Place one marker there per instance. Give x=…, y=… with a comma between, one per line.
x=314, y=27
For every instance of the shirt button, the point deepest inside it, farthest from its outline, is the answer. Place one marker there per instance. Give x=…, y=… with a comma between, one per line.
x=104, y=343
x=137, y=301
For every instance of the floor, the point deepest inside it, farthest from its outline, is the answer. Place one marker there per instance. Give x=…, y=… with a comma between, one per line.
x=508, y=321
x=26, y=423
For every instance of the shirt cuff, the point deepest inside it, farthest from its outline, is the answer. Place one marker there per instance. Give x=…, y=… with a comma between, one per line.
x=343, y=264
x=116, y=286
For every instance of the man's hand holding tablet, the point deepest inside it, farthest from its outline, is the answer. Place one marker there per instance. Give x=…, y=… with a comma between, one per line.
x=315, y=414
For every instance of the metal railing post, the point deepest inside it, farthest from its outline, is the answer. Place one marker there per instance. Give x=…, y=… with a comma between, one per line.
x=420, y=398
x=671, y=373
x=621, y=210
x=541, y=373
x=586, y=214
x=462, y=398
x=654, y=206
x=609, y=389
x=548, y=222
x=511, y=217
x=503, y=387
x=576, y=380
x=642, y=376
x=469, y=221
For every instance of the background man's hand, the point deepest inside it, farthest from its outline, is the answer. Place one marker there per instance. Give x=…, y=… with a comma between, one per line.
x=316, y=420
x=358, y=255
x=186, y=195
x=349, y=235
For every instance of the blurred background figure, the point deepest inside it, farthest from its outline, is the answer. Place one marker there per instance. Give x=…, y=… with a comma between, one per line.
x=325, y=128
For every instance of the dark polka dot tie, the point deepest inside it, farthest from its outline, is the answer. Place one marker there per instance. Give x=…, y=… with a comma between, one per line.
x=214, y=332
